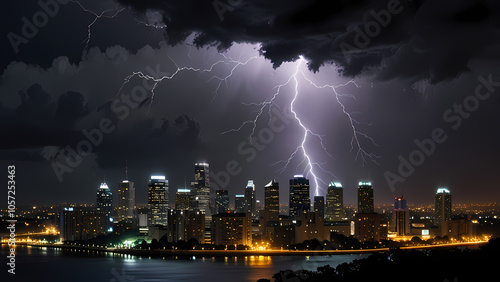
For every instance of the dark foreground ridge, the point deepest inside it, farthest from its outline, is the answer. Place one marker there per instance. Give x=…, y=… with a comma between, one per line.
x=440, y=265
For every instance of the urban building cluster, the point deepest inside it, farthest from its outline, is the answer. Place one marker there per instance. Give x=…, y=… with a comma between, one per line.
x=205, y=215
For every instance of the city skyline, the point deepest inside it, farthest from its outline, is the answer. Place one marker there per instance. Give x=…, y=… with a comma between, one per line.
x=310, y=140
x=258, y=190
x=332, y=203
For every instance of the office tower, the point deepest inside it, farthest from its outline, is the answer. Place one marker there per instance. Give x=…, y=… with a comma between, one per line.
x=299, y=200
x=334, y=202
x=221, y=201
x=319, y=206
x=126, y=200
x=182, y=199
x=239, y=203
x=105, y=204
x=442, y=210
x=157, y=200
x=272, y=199
x=401, y=217
x=250, y=200
x=201, y=188
x=232, y=229
x=365, y=197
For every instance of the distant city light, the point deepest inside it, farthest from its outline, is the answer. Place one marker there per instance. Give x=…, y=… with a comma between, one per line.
x=365, y=183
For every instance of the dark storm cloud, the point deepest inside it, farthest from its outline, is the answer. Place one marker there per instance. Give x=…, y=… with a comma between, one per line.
x=432, y=40
x=40, y=121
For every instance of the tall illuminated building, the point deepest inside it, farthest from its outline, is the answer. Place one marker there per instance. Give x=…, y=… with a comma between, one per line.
x=299, y=200
x=442, y=210
x=401, y=217
x=272, y=198
x=105, y=204
x=201, y=187
x=365, y=197
x=221, y=201
x=239, y=203
x=157, y=200
x=126, y=200
x=319, y=206
x=182, y=199
x=334, y=202
x=250, y=200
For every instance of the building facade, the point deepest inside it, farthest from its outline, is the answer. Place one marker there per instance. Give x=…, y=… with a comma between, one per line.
x=401, y=217
x=104, y=199
x=158, y=201
x=365, y=197
x=250, y=199
x=299, y=200
x=334, y=202
x=319, y=206
x=272, y=199
x=232, y=229
x=442, y=210
x=221, y=201
x=239, y=203
x=126, y=200
x=182, y=199
x=78, y=223
x=201, y=187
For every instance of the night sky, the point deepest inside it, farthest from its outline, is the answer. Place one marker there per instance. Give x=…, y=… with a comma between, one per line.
x=405, y=73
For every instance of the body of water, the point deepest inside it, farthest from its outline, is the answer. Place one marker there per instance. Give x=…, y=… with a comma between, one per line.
x=49, y=264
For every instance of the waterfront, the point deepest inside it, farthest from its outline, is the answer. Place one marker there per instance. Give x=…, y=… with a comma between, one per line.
x=84, y=265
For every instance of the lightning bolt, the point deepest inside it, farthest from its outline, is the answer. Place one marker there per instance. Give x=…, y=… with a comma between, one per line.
x=159, y=79
x=104, y=14
x=311, y=167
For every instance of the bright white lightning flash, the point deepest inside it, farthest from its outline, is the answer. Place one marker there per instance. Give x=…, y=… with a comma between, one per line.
x=308, y=133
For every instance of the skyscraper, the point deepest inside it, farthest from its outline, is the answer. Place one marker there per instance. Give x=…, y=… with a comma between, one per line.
x=182, y=199
x=401, y=217
x=221, y=201
x=299, y=200
x=272, y=198
x=105, y=204
x=334, y=202
x=319, y=206
x=158, y=200
x=126, y=200
x=442, y=210
x=365, y=197
x=239, y=203
x=201, y=187
x=250, y=200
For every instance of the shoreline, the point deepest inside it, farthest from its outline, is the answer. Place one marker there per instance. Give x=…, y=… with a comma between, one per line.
x=245, y=253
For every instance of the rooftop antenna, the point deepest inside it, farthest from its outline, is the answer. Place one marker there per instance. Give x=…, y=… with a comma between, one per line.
x=126, y=169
